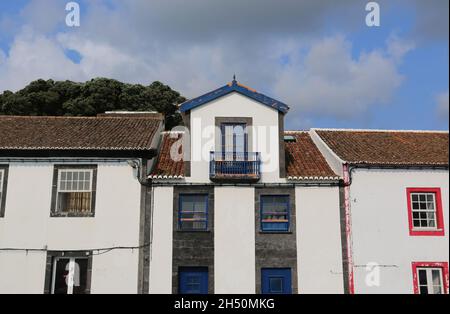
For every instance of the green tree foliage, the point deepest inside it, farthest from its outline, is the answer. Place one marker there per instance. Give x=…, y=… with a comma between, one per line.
x=50, y=98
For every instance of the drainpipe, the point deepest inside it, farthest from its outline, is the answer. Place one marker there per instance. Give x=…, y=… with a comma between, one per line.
x=348, y=227
x=145, y=224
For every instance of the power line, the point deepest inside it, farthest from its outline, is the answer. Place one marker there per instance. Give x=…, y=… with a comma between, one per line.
x=92, y=252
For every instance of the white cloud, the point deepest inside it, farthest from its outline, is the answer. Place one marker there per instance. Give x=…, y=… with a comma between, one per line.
x=398, y=47
x=442, y=101
x=2, y=57
x=44, y=15
x=34, y=56
x=330, y=82
x=200, y=47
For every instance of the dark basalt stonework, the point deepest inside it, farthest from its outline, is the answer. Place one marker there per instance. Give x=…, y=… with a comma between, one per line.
x=276, y=250
x=193, y=249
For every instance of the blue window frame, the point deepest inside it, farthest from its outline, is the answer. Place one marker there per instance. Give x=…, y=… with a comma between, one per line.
x=275, y=213
x=193, y=280
x=193, y=212
x=276, y=281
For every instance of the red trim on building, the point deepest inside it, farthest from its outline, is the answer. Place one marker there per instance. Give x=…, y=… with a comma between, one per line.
x=348, y=230
x=439, y=212
x=442, y=265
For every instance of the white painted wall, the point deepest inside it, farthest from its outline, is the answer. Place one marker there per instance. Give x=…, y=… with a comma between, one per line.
x=234, y=105
x=234, y=240
x=319, y=250
x=381, y=230
x=21, y=272
x=27, y=224
x=161, y=250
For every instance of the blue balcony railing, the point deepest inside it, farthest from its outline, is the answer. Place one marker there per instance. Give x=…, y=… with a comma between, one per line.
x=235, y=166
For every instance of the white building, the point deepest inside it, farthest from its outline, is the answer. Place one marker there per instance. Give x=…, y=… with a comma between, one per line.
x=240, y=213
x=232, y=203
x=396, y=204
x=71, y=203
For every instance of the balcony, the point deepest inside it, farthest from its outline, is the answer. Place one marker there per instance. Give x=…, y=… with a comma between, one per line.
x=235, y=167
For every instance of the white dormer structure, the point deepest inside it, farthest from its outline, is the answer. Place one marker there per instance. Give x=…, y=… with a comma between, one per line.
x=236, y=134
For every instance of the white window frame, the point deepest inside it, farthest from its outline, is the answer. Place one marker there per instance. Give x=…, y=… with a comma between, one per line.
x=434, y=211
x=60, y=171
x=70, y=274
x=429, y=272
x=58, y=189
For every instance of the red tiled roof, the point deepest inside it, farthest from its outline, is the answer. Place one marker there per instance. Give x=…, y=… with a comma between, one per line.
x=77, y=133
x=304, y=160
x=409, y=148
x=166, y=166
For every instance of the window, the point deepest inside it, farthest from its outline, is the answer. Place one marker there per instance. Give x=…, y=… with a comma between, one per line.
x=69, y=275
x=193, y=212
x=276, y=281
x=193, y=280
x=430, y=278
x=68, y=272
x=425, y=211
x=74, y=191
x=234, y=141
x=275, y=213
x=3, y=183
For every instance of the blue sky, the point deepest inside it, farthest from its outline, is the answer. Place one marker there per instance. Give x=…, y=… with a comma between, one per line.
x=317, y=56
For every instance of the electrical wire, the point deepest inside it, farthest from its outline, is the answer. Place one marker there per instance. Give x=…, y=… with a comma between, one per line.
x=92, y=252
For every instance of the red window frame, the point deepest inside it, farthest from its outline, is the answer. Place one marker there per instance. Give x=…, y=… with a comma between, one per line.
x=439, y=212
x=441, y=265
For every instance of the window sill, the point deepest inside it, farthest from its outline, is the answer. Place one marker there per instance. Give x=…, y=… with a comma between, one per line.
x=275, y=232
x=424, y=233
x=194, y=231
x=61, y=215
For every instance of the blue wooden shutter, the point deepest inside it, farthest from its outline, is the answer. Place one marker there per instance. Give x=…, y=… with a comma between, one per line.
x=276, y=281
x=193, y=280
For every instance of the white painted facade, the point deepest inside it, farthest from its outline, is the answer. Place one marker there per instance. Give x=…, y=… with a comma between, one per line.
x=380, y=245
x=319, y=250
x=160, y=281
x=376, y=220
x=27, y=224
x=234, y=240
x=380, y=228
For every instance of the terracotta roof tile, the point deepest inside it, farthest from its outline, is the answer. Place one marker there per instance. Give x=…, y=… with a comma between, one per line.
x=304, y=160
x=166, y=166
x=77, y=133
x=413, y=148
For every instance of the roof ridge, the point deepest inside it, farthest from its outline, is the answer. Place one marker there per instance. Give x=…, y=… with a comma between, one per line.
x=379, y=130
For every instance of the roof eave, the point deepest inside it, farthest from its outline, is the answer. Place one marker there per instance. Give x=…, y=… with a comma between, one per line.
x=83, y=153
x=365, y=164
x=230, y=88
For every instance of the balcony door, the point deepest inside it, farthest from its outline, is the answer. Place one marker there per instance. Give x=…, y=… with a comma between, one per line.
x=234, y=141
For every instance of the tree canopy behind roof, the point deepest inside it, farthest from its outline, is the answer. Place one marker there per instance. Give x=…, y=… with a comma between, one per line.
x=67, y=98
